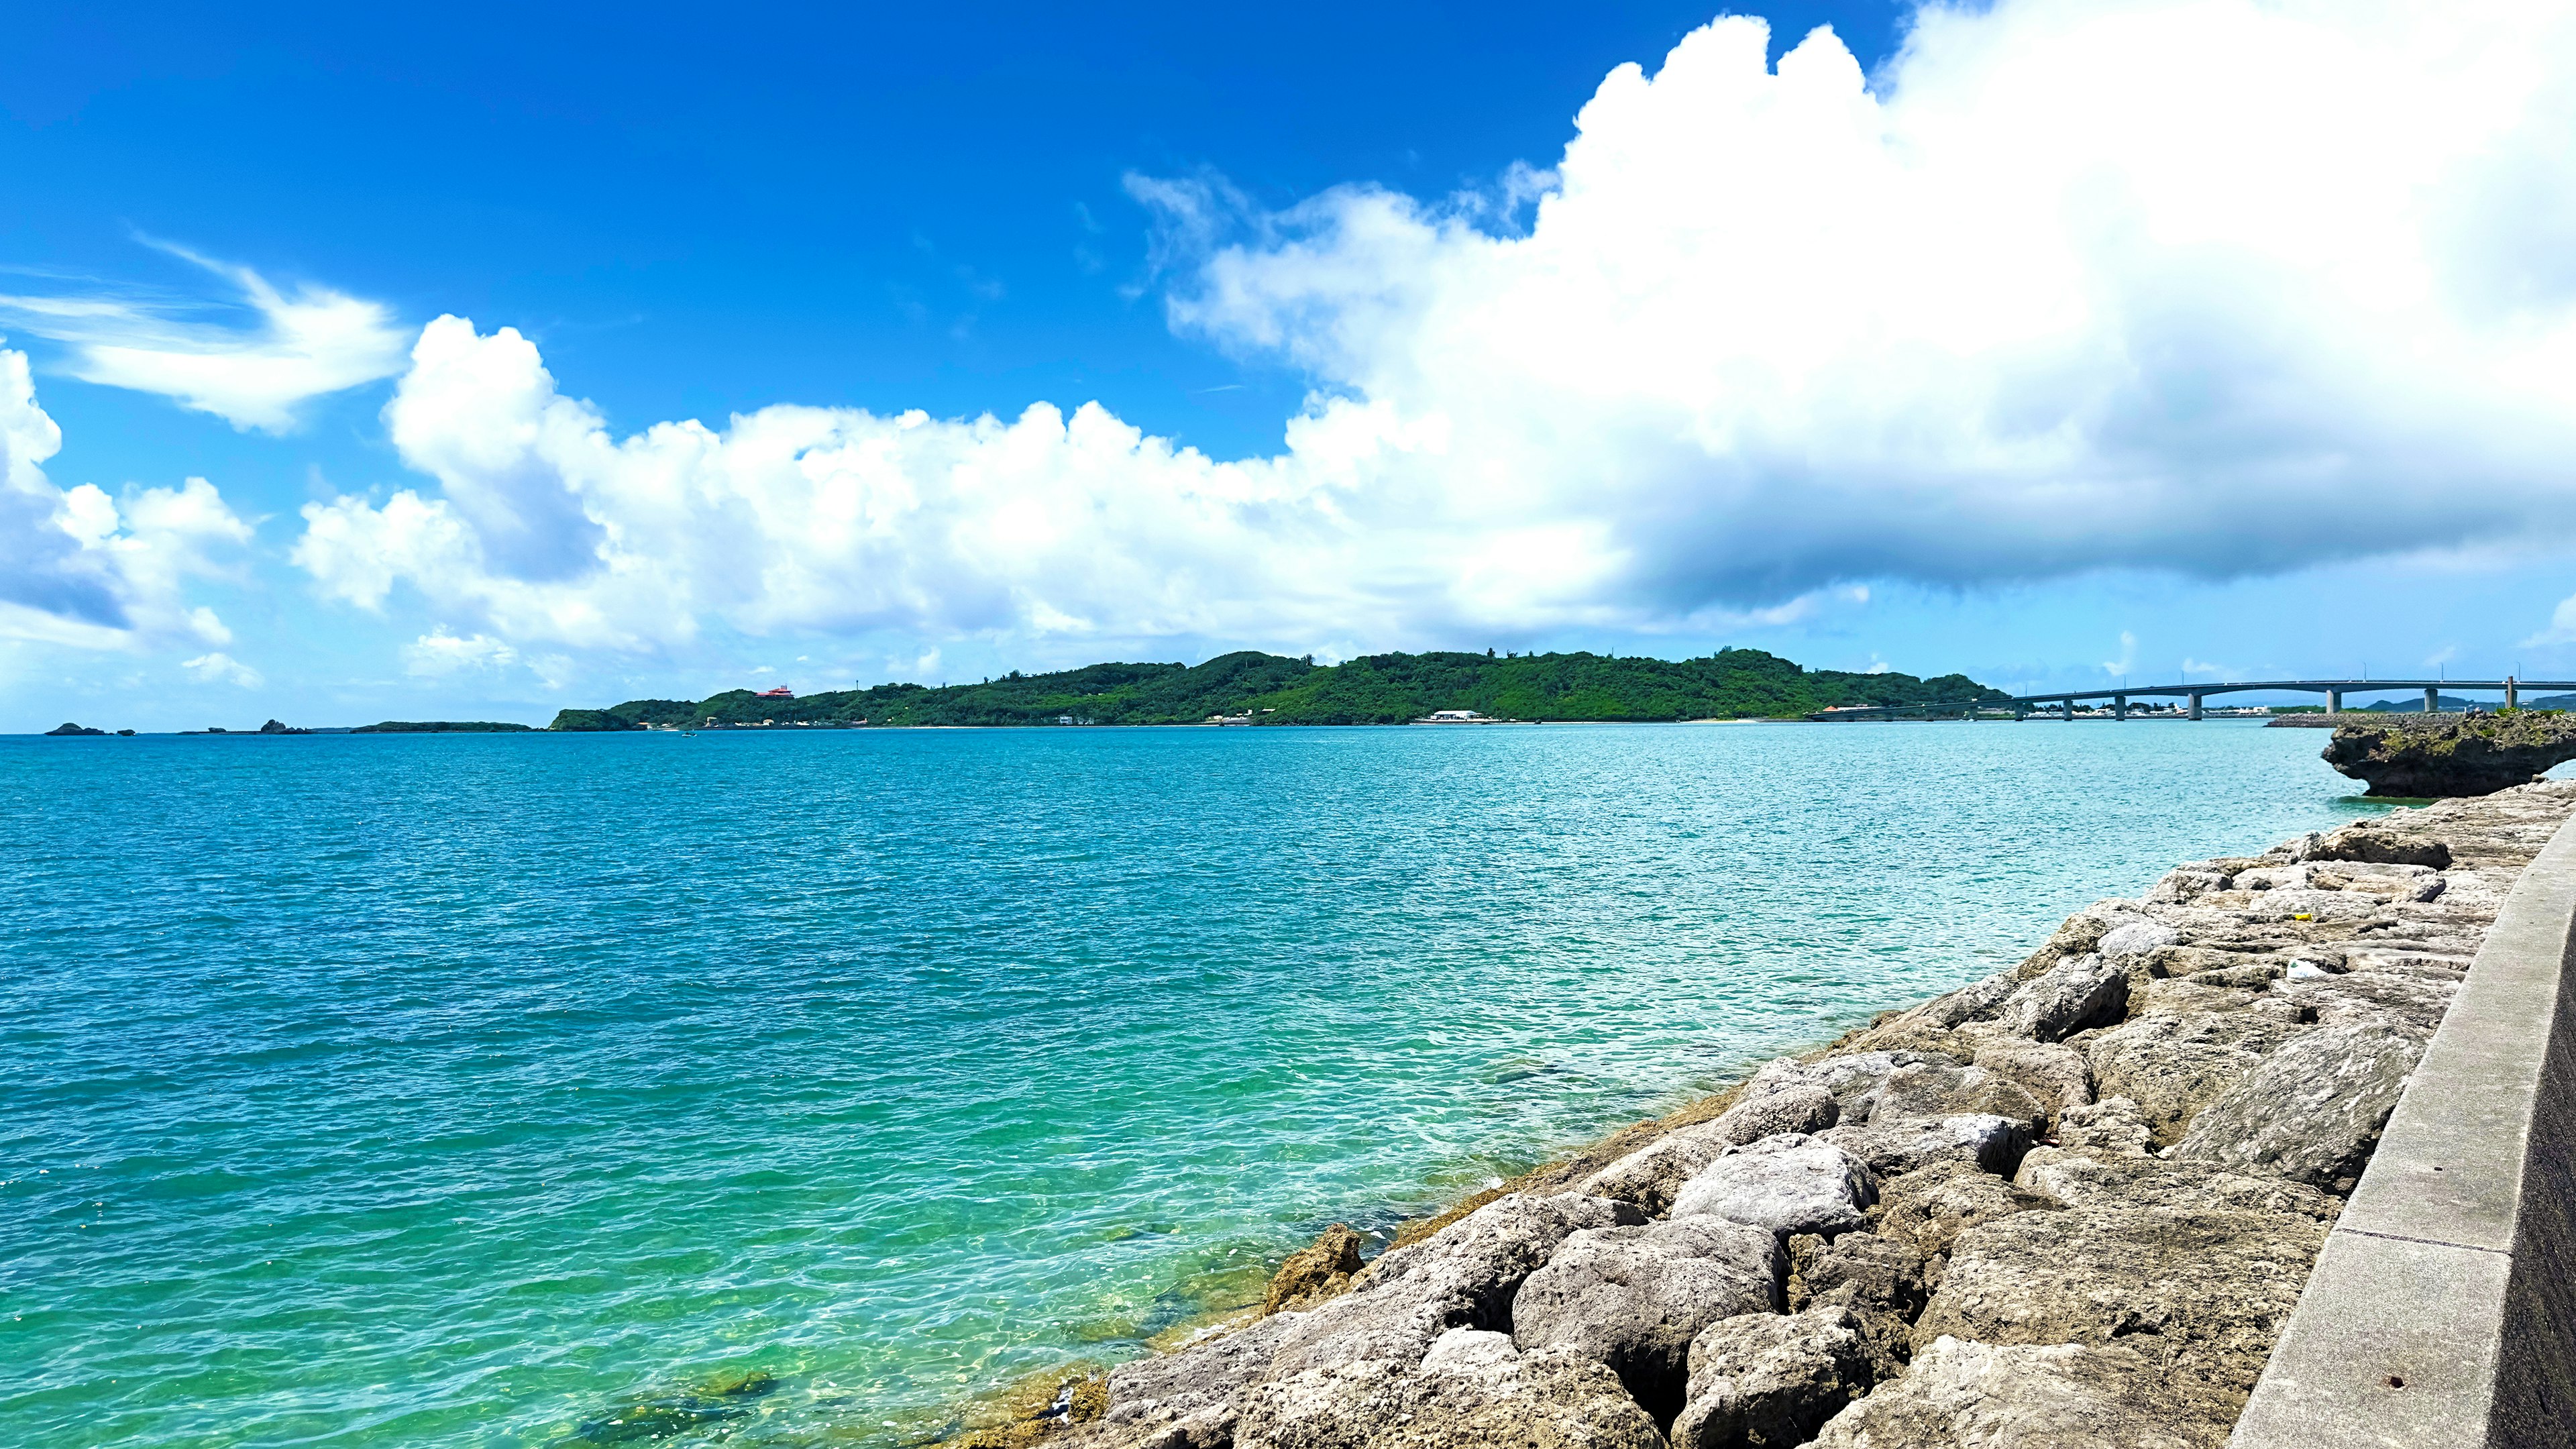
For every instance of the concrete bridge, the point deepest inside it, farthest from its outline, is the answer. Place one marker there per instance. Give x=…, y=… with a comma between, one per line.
x=2023, y=706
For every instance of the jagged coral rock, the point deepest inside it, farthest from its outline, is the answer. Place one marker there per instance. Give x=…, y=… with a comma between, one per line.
x=2452, y=755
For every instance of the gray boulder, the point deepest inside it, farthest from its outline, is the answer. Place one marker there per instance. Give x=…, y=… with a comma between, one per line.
x=2113, y=1124
x=2065, y=1396
x=2091, y=1177
x=1632, y=1299
x=1881, y=1280
x=1804, y=1108
x=1853, y=1077
x=2053, y=1073
x=2134, y=940
x=1463, y=1276
x=2311, y=1111
x=2204, y=1291
x=2365, y=840
x=1767, y=1380
x=2087, y=990
x=1991, y=1144
x=1924, y=1090
x=1931, y=1206
x=2411, y=1002
x=1649, y=1176
x=1199, y=1381
x=2173, y=1065
x=1864, y=1272
x=1787, y=1185
x=1466, y=1394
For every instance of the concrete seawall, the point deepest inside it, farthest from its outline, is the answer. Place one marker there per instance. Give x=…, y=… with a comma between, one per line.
x=2442, y=1311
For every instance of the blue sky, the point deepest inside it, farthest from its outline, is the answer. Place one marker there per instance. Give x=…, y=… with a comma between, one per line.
x=1225, y=228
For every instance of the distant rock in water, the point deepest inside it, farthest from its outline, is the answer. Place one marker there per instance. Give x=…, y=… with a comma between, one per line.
x=68, y=728
x=2450, y=755
x=275, y=727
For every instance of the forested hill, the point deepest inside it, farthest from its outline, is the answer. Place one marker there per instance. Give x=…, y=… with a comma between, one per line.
x=1380, y=689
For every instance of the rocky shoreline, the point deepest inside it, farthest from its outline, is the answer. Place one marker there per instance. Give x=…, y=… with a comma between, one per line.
x=2069, y=1205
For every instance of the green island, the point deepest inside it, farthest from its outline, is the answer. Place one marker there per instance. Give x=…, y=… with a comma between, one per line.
x=440, y=727
x=1267, y=689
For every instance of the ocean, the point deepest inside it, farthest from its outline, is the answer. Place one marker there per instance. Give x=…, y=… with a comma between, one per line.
x=534, y=1090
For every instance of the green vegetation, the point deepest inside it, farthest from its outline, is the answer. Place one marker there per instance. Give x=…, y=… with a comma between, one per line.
x=1380, y=689
x=441, y=727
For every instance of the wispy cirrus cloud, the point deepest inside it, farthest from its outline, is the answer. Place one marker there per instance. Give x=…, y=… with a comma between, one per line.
x=305, y=343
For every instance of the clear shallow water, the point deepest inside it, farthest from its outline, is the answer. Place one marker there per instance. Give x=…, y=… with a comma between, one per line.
x=462, y=1090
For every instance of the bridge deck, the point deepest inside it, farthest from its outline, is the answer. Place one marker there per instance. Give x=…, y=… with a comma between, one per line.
x=2197, y=692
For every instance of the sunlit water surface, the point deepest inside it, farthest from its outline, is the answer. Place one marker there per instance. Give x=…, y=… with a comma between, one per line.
x=486, y=1090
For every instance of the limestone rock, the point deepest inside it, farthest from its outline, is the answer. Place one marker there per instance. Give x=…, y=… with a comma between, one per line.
x=1983, y=1141
x=2074, y=994
x=1880, y=1279
x=2311, y=1111
x=2370, y=998
x=2174, y=1065
x=2069, y=1396
x=1790, y=1184
x=1473, y=1397
x=2365, y=840
x=1315, y=1272
x=2137, y=938
x=1864, y=1272
x=2088, y=1177
x=2076, y=936
x=2203, y=1291
x=1974, y=1002
x=1923, y=1090
x=1852, y=1077
x=1632, y=1299
x=2114, y=1125
x=1649, y=1176
x=1930, y=1207
x=1463, y=1276
x=1469, y=1350
x=1767, y=1380
x=1805, y=1108
x=1201, y=1377
x=2052, y=1073
x=2452, y=755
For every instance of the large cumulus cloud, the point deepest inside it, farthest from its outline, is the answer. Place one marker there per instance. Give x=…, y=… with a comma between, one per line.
x=78, y=569
x=2214, y=286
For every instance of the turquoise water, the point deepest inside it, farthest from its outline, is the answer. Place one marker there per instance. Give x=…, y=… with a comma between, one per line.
x=474, y=1090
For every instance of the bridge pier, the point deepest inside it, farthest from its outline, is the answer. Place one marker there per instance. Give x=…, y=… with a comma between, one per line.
x=2069, y=703
x=2512, y=694
x=2334, y=701
x=2432, y=701
x=2195, y=704
x=2119, y=706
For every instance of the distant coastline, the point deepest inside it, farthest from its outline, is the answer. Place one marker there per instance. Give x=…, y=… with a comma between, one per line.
x=1253, y=689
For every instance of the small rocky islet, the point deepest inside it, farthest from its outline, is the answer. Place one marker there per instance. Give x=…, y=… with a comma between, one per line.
x=2069, y=1205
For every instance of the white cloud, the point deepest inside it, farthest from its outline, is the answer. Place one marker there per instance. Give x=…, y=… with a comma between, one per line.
x=2562, y=625
x=221, y=668
x=78, y=570
x=2215, y=286
x=439, y=653
x=2128, y=659
x=307, y=344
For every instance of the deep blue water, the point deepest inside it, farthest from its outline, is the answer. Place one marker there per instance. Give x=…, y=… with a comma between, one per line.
x=460, y=1090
